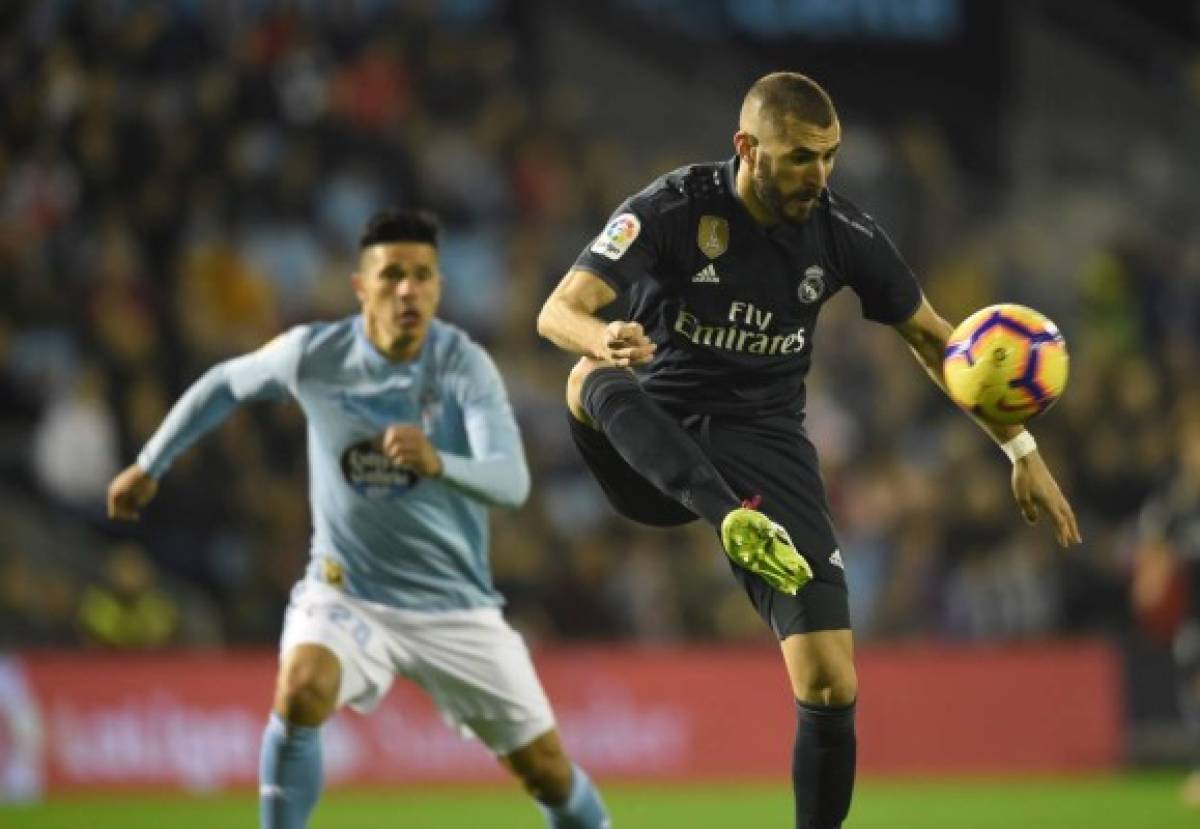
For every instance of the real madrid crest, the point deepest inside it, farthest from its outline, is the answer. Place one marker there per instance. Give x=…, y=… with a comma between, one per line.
x=713, y=236
x=812, y=286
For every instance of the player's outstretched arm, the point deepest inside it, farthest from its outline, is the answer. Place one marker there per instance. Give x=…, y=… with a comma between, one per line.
x=1033, y=485
x=568, y=319
x=130, y=492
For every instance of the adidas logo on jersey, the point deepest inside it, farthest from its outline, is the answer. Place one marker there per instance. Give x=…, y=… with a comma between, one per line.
x=706, y=274
x=836, y=560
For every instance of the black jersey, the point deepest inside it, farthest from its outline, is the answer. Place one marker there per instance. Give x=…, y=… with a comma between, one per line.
x=733, y=305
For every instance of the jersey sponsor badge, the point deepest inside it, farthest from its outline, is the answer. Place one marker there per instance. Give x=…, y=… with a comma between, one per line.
x=373, y=474
x=712, y=236
x=618, y=236
x=812, y=286
x=836, y=559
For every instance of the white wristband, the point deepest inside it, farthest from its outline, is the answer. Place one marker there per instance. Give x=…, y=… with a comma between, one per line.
x=1020, y=446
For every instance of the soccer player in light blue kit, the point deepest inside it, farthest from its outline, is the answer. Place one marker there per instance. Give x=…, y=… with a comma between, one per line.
x=410, y=439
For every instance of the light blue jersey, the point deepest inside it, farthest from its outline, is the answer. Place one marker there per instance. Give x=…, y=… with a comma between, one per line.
x=380, y=532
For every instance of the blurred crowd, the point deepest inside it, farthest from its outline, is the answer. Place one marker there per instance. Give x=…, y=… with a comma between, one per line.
x=179, y=183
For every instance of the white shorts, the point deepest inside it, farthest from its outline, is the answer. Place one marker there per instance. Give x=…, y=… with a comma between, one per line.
x=475, y=667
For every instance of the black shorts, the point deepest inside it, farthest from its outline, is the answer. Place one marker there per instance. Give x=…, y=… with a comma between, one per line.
x=769, y=457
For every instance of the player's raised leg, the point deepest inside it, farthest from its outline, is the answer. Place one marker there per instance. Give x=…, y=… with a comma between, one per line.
x=821, y=669
x=290, y=777
x=611, y=399
x=565, y=793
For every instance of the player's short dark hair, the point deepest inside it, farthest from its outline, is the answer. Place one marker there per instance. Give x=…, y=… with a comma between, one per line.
x=396, y=225
x=780, y=94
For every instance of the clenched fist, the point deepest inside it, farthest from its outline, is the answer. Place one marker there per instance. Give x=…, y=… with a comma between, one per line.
x=405, y=444
x=626, y=344
x=129, y=492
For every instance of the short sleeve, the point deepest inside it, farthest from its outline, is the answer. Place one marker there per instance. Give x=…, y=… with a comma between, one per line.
x=875, y=270
x=272, y=370
x=629, y=248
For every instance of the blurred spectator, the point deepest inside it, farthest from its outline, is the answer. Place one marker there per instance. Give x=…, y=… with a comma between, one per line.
x=226, y=306
x=75, y=445
x=128, y=611
x=19, y=412
x=1166, y=577
x=26, y=617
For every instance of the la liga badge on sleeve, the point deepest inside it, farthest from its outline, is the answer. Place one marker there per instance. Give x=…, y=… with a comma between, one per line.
x=618, y=236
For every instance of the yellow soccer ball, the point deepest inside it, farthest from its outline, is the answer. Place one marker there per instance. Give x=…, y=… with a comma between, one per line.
x=1006, y=363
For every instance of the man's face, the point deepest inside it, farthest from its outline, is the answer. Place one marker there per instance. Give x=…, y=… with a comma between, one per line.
x=399, y=286
x=791, y=164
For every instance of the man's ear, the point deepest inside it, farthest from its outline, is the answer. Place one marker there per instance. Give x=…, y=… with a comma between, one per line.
x=746, y=146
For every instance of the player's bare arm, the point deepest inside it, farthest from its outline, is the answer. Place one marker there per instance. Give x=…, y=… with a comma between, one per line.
x=1034, y=487
x=568, y=319
x=130, y=492
x=405, y=444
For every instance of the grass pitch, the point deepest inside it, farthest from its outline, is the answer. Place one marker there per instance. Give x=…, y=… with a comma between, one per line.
x=1120, y=802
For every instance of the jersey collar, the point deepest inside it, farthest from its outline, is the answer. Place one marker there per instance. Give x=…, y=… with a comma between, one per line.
x=729, y=171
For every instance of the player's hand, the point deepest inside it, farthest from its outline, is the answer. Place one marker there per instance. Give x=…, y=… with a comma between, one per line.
x=129, y=492
x=1037, y=492
x=406, y=445
x=626, y=344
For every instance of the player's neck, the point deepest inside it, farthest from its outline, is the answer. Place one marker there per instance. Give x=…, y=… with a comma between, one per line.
x=745, y=192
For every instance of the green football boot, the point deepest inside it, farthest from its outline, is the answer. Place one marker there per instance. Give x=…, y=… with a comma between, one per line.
x=761, y=546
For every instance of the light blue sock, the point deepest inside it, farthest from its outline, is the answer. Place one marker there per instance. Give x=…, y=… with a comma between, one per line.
x=583, y=810
x=289, y=774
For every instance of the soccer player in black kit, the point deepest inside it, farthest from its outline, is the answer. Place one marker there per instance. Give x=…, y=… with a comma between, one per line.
x=726, y=266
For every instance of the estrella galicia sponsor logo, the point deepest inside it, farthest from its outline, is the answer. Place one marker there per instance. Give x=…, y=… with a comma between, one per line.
x=812, y=286
x=372, y=474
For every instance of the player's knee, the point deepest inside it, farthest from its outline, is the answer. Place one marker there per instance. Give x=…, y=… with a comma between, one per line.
x=830, y=685
x=579, y=373
x=306, y=703
x=544, y=771
x=307, y=691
